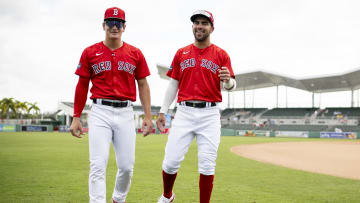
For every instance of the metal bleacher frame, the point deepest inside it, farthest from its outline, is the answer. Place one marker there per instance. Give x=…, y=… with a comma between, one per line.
x=259, y=79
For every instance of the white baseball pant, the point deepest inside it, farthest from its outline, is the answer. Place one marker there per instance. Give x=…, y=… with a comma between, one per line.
x=108, y=124
x=190, y=122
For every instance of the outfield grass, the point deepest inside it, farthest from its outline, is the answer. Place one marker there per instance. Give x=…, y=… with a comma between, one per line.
x=53, y=167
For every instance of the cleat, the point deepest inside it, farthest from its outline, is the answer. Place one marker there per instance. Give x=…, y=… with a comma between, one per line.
x=115, y=201
x=163, y=199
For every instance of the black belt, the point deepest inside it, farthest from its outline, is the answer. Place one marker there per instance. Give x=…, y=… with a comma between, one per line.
x=117, y=104
x=198, y=104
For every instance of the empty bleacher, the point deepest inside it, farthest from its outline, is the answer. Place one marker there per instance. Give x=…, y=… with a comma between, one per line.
x=317, y=128
x=292, y=119
x=229, y=111
x=255, y=111
x=346, y=128
x=242, y=127
x=242, y=112
x=340, y=111
x=289, y=112
x=294, y=128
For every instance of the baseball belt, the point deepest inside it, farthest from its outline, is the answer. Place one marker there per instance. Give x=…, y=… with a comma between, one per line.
x=198, y=104
x=113, y=103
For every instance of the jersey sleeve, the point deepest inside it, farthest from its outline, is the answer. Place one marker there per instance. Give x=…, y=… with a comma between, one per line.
x=174, y=71
x=80, y=95
x=227, y=63
x=83, y=69
x=142, y=69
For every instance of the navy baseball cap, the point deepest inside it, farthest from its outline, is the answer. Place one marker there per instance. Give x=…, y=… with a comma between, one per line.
x=203, y=13
x=114, y=13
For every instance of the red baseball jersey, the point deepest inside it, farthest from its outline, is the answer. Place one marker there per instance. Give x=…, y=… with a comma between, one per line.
x=113, y=72
x=197, y=71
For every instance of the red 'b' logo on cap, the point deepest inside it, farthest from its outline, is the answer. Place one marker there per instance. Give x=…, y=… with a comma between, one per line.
x=114, y=12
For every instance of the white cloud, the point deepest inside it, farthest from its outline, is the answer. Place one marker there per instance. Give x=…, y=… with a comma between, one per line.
x=41, y=41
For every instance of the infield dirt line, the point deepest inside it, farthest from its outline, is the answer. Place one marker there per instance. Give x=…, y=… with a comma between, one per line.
x=337, y=158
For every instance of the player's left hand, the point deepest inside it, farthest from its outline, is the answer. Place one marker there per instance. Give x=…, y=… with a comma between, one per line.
x=160, y=122
x=224, y=74
x=147, y=126
x=76, y=128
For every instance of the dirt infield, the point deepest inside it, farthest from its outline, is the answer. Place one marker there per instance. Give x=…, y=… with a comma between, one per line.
x=338, y=158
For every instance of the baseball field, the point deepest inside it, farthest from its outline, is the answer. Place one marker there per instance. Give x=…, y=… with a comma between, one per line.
x=53, y=167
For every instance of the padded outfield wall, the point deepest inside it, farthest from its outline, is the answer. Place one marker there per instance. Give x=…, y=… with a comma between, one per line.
x=26, y=128
x=297, y=134
x=8, y=128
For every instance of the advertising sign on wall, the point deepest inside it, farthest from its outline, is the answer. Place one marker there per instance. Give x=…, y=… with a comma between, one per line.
x=291, y=134
x=7, y=128
x=341, y=135
x=33, y=128
x=252, y=133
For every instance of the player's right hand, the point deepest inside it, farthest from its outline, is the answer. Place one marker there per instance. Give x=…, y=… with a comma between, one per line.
x=224, y=74
x=75, y=127
x=147, y=126
x=160, y=122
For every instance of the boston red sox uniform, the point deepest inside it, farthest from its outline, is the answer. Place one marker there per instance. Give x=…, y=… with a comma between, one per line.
x=199, y=92
x=197, y=72
x=113, y=74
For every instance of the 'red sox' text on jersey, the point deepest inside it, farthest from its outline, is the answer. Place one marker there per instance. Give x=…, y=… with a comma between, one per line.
x=200, y=66
x=112, y=72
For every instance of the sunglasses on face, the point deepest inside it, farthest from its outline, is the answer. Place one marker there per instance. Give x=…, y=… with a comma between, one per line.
x=112, y=23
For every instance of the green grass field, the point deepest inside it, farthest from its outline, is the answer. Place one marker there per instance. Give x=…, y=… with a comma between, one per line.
x=53, y=167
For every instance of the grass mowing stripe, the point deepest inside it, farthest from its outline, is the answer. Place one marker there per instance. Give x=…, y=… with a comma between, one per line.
x=53, y=167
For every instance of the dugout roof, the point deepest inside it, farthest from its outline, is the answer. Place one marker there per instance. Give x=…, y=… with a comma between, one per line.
x=260, y=79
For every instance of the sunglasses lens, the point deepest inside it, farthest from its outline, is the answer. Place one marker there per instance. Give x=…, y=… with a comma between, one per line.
x=120, y=24
x=112, y=23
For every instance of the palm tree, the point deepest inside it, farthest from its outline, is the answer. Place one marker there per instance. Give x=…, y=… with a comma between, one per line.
x=7, y=104
x=21, y=108
x=34, y=107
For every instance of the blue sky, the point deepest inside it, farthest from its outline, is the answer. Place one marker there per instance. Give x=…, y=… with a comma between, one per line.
x=41, y=43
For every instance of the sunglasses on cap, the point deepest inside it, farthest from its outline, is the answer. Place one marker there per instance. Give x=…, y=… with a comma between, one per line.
x=111, y=23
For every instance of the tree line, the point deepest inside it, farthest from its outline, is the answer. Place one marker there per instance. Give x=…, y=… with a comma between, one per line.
x=11, y=108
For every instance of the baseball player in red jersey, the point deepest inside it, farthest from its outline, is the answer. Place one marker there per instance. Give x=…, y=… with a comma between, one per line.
x=198, y=72
x=113, y=66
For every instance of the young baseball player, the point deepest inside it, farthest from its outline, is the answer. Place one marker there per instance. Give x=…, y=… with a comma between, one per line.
x=112, y=66
x=197, y=73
